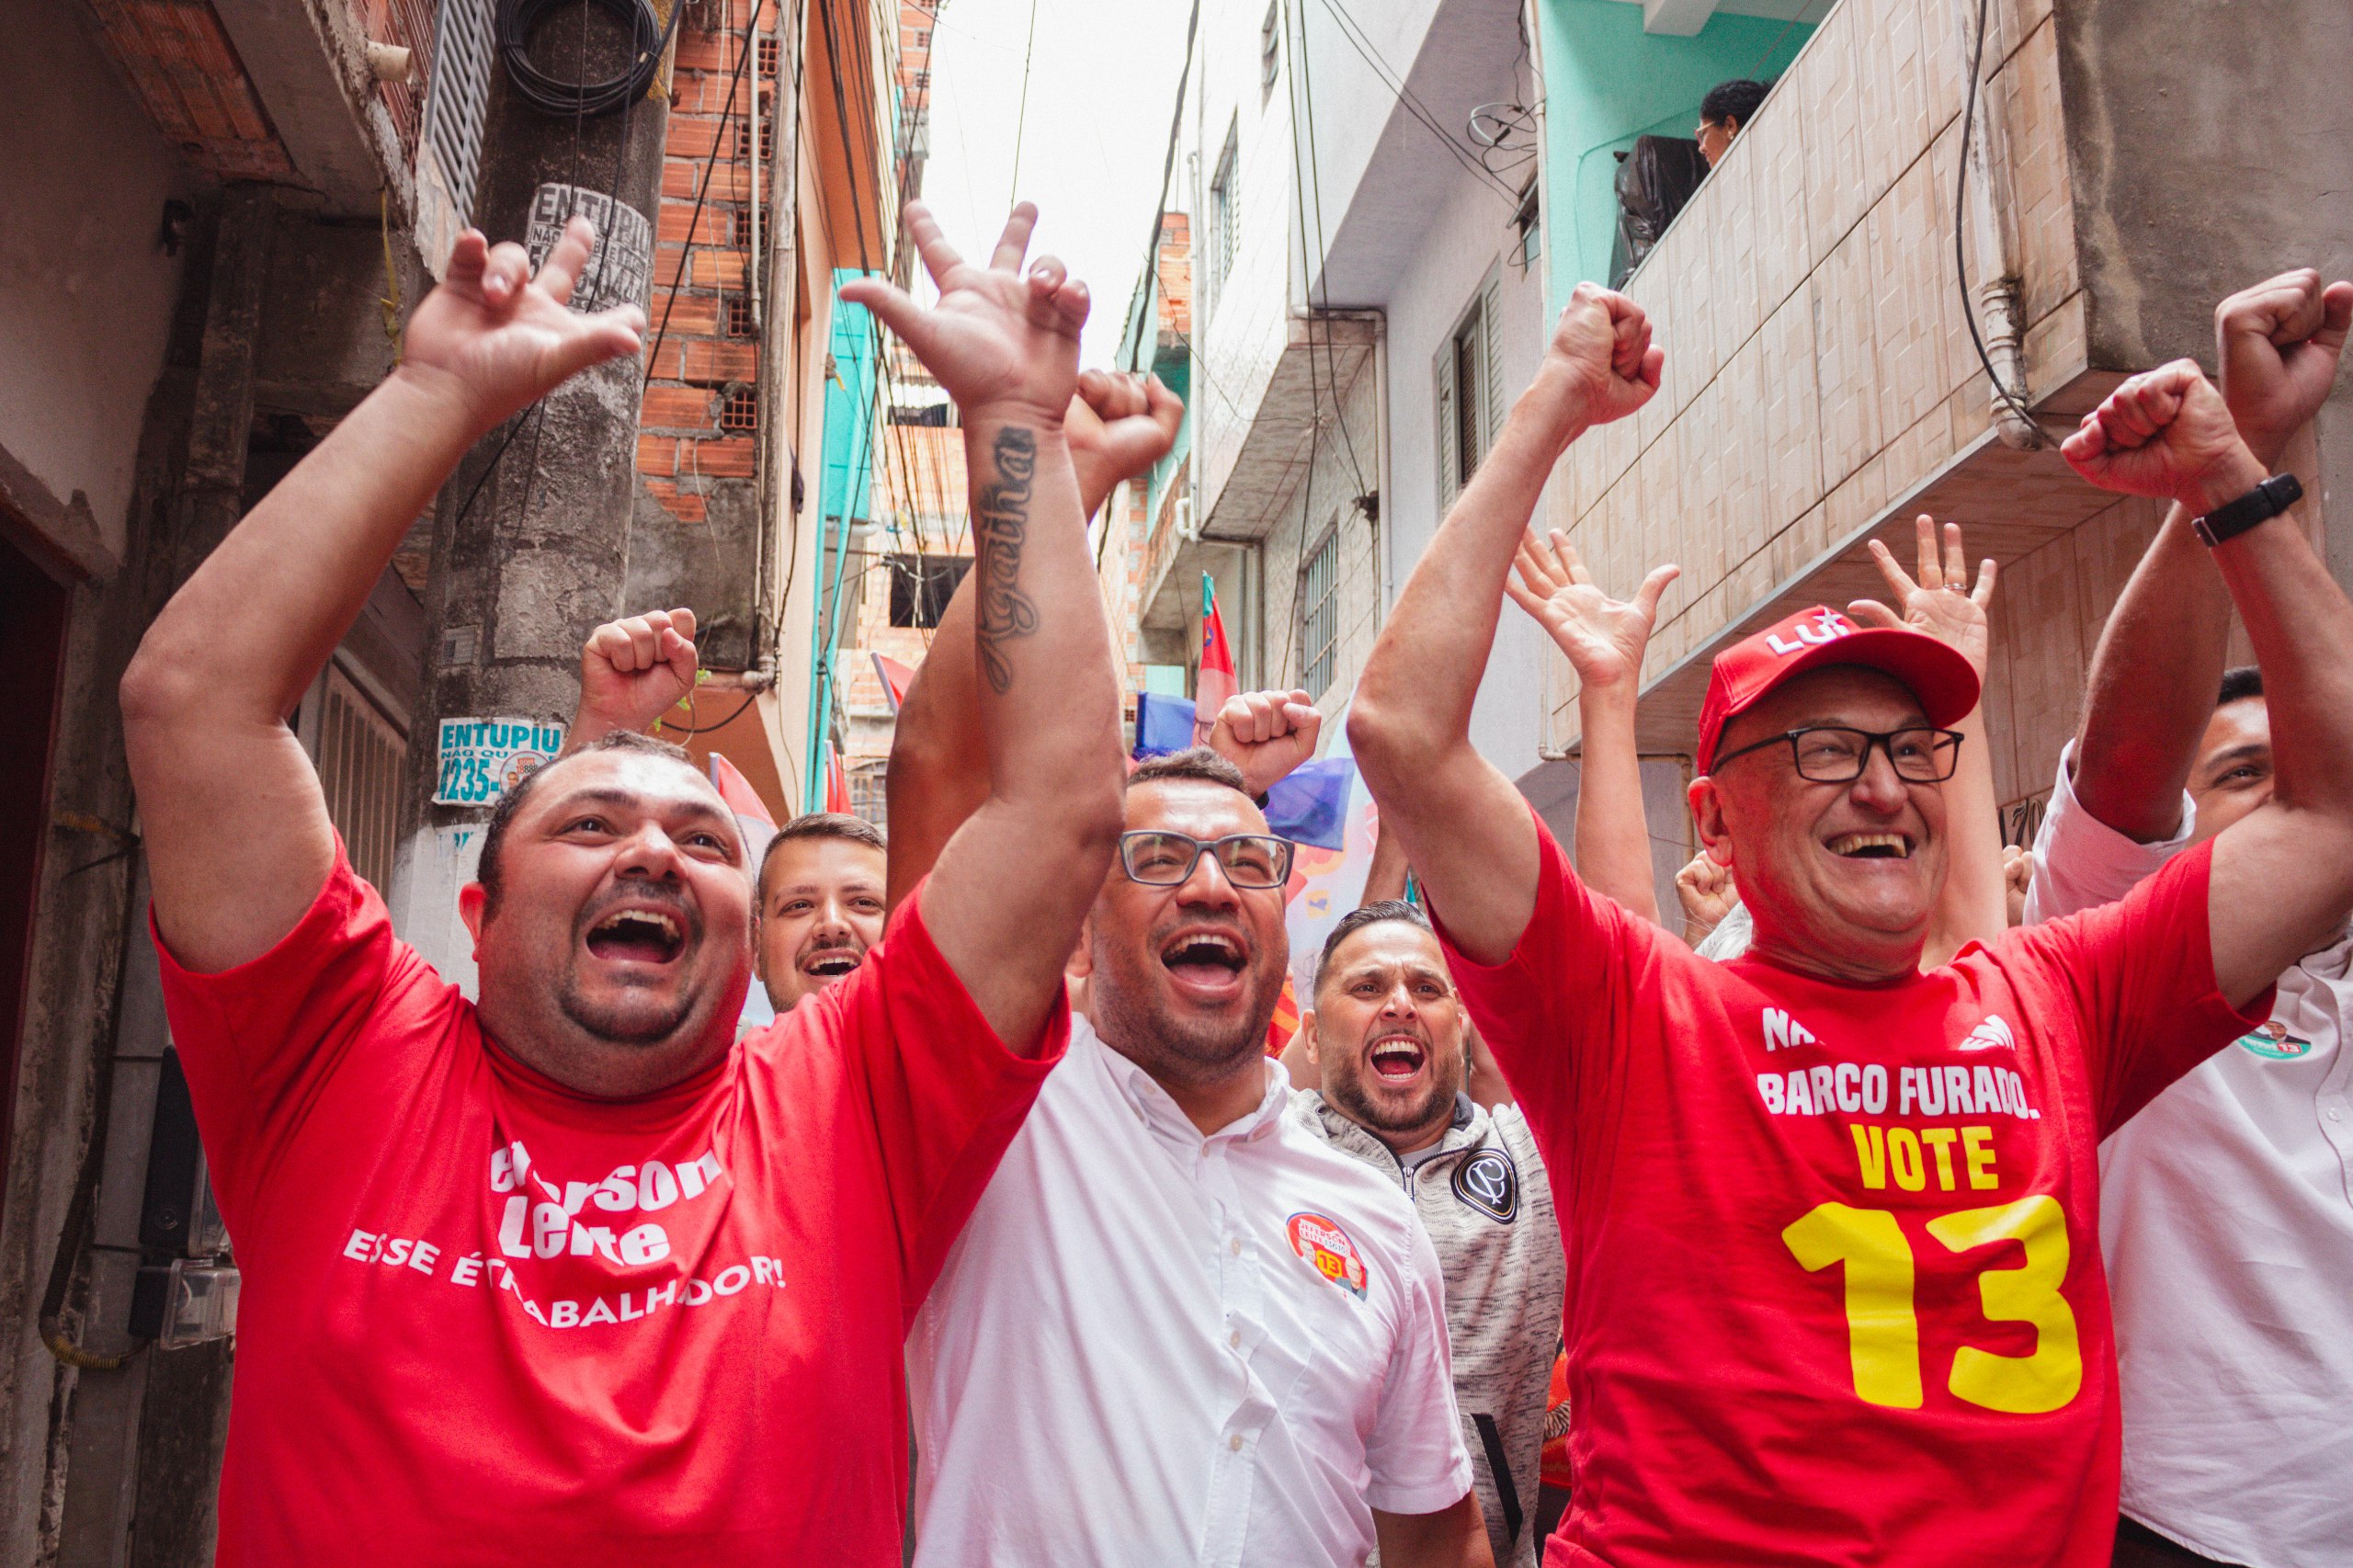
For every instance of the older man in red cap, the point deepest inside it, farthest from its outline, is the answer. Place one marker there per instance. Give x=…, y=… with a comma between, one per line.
x=1834, y=1283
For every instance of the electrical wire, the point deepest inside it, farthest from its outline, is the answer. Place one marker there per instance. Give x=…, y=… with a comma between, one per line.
x=1021, y=116
x=1960, y=222
x=554, y=97
x=1412, y=103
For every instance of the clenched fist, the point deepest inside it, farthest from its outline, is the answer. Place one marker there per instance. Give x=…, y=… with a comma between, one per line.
x=1266, y=734
x=1601, y=364
x=632, y=671
x=2165, y=433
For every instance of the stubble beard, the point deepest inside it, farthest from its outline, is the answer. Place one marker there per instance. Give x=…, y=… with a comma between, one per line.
x=1347, y=1091
x=623, y=1024
x=1196, y=1054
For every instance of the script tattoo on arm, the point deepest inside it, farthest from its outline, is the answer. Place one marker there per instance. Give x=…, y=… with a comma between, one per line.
x=1003, y=612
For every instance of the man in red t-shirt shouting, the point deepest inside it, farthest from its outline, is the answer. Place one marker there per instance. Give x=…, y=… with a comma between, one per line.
x=574, y=1277
x=1835, y=1286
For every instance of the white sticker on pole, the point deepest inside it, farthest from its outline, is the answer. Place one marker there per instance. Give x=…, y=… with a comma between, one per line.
x=481, y=759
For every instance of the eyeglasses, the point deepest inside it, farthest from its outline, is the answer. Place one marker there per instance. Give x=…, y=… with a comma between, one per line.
x=1163, y=859
x=1829, y=753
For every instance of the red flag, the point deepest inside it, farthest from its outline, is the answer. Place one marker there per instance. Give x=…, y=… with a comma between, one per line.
x=895, y=678
x=1213, y=683
x=837, y=782
x=737, y=791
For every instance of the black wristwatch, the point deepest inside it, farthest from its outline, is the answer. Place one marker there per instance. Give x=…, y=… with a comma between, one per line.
x=2260, y=505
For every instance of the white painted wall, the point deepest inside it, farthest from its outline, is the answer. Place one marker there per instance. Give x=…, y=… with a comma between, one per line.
x=85, y=291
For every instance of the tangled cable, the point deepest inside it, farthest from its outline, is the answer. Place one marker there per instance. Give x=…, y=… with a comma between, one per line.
x=565, y=100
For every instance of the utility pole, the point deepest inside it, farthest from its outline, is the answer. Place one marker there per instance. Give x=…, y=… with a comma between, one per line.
x=531, y=537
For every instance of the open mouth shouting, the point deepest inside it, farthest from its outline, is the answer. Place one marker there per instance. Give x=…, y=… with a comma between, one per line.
x=826, y=964
x=636, y=933
x=1397, y=1059
x=1871, y=846
x=1205, y=963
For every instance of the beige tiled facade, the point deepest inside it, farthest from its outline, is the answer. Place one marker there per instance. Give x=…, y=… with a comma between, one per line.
x=1819, y=384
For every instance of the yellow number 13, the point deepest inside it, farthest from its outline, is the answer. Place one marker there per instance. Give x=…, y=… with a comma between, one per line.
x=1883, y=1332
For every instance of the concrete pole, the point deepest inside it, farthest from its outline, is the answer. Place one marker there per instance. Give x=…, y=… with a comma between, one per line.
x=521, y=575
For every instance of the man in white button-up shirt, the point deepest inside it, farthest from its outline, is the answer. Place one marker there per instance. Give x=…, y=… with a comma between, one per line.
x=2227, y=1204
x=1179, y=1328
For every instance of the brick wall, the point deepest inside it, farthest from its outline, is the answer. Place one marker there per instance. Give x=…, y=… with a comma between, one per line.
x=690, y=438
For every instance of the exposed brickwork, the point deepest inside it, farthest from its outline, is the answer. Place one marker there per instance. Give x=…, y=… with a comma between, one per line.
x=193, y=86
x=702, y=261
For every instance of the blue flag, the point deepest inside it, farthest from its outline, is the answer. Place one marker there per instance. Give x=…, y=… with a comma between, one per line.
x=1163, y=724
x=1309, y=805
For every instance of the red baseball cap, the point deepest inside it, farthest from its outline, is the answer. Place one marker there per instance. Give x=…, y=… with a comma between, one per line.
x=1937, y=673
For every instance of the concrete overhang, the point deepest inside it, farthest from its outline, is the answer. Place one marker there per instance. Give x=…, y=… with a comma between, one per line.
x=1320, y=352
x=2009, y=503
x=308, y=63
x=1466, y=59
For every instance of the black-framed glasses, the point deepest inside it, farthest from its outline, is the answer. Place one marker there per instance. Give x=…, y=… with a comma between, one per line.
x=1160, y=858
x=1832, y=753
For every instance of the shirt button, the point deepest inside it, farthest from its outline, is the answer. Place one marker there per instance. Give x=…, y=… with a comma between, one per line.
x=1235, y=1442
x=2334, y=1114
x=1234, y=1246
x=1235, y=1339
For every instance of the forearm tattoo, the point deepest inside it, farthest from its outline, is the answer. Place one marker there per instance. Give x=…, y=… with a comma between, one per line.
x=1003, y=515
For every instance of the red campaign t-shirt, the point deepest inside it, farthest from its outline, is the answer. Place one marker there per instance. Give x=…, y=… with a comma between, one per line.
x=1835, y=1281
x=486, y=1320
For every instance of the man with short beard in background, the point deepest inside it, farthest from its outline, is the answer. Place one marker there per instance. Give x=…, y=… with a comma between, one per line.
x=1389, y=1037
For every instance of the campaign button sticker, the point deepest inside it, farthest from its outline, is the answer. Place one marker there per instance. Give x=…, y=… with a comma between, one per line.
x=1328, y=1249
x=1487, y=1182
x=2274, y=1043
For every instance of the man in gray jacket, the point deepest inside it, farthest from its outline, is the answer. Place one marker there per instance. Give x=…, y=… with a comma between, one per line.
x=1387, y=1036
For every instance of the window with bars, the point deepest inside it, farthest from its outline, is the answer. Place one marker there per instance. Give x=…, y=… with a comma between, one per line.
x=360, y=754
x=740, y=409
x=921, y=585
x=1220, y=250
x=868, y=795
x=1319, y=597
x=1469, y=377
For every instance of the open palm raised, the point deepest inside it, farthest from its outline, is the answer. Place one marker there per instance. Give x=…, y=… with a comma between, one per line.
x=1604, y=638
x=501, y=339
x=1941, y=602
x=997, y=339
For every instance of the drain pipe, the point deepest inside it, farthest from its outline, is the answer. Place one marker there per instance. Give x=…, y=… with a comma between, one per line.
x=1993, y=224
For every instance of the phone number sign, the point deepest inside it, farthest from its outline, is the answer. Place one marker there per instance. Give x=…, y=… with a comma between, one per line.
x=481, y=759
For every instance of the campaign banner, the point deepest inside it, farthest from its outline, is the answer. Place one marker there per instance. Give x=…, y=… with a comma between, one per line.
x=481, y=759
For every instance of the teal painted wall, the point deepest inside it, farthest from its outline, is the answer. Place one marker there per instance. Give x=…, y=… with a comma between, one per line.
x=1606, y=82
x=850, y=413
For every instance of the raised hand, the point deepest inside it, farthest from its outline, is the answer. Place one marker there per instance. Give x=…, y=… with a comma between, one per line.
x=1604, y=638
x=2279, y=344
x=1706, y=891
x=632, y=671
x=498, y=338
x=1119, y=424
x=1942, y=602
x=1601, y=350
x=1266, y=734
x=997, y=339
x=2165, y=433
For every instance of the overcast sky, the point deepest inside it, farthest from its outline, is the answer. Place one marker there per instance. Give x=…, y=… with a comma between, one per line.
x=1102, y=86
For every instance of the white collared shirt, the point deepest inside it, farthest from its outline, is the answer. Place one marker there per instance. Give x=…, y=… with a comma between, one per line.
x=1150, y=1347
x=2226, y=1215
